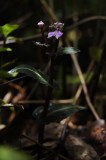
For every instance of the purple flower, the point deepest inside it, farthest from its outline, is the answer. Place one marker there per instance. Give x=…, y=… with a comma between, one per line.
x=55, y=33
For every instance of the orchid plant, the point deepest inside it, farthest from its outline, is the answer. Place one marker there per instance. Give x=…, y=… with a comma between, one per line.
x=50, y=43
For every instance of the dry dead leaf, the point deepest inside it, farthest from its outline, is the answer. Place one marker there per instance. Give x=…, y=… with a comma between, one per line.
x=77, y=149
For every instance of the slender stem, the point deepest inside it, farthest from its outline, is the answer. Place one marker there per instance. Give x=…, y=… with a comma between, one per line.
x=64, y=61
x=49, y=92
x=47, y=101
x=46, y=107
x=53, y=50
x=43, y=36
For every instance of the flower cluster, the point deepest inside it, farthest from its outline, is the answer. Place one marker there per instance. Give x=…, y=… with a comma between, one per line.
x=56, y=30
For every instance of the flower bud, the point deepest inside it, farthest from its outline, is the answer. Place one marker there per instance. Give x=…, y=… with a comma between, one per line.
x=41, y=24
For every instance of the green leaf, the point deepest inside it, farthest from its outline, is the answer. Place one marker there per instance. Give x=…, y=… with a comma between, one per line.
x=4, y=49
x=7, y=153
x=67, y=50
x=5, y=74
x=56, y=113
x=59, y=112
x=32, y=72
x=6, y=29
x=4, y=65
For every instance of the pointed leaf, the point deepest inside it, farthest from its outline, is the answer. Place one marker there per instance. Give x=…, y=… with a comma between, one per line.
x=59, y=112
x=56, y=112
x=4, y=49
x=4, y=65
x=5, y=74
x=32, y=72
x=67, y=50
x=6, y=29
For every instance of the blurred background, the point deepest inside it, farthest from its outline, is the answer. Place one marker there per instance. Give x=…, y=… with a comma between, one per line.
x=84, y=28
x=81, y=78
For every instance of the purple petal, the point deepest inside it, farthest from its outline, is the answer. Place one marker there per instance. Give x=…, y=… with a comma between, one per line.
x=58, y=34
x=50, y=34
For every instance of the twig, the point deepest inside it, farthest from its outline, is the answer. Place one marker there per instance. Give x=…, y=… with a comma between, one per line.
x=97, y=74
x=37, y=102
x=9, y=105
x=21, y=20
x=100, y=97
x=9, y=95
x=90, y=67
x=98, y=23
x=48, y=10
x=51, y=3
x=92, y=18
x=45, y=148
x=5, y=82
x=79, y=90
x=73, y=56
